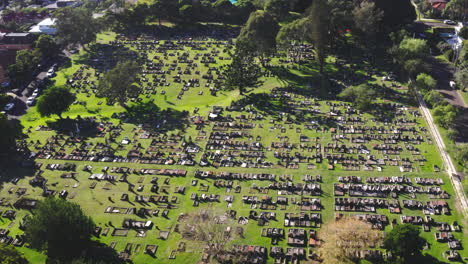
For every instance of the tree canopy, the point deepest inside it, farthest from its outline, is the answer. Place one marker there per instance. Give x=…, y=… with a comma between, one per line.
x=59, y=227
x=320, y=22
x=47, y=46
x=10, y=255
x=261, y=30
x=55, y=101
x=404, y=241
x=362, y=96
x=76, y=26
x=243, y=71
x=425, y=82
x=118, y=84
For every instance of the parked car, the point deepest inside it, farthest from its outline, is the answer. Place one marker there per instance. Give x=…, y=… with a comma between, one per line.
x=8, y=107
x=50, y=73
x=30, y=101
x=449, y=22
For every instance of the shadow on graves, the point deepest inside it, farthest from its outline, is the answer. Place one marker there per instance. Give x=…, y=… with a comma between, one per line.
x=180, y=31
x=426, y=259
x=104, y=57
x=16, y=161
x=84, y=127
x=153, y=118
x=274, y=106
x=95, y=253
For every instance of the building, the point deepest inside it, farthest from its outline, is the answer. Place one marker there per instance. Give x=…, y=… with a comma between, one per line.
x=10, y=43
x=46, y=26
x=438, y=4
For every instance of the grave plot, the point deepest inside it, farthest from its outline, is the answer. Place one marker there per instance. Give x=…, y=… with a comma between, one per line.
x=279, y=162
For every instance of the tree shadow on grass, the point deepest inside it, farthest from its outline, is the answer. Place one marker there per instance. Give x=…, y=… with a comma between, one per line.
x=95, y=253
x=84, y=127
x=154, y=119
x=276, y=106
x=104, y=57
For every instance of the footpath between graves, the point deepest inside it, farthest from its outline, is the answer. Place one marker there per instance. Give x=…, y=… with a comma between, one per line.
x=448, y=164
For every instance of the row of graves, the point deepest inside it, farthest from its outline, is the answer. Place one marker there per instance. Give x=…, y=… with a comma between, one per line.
x=354, y=141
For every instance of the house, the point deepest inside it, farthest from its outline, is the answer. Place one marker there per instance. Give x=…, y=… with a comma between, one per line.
x=46, y=26
x=438, y=4
x=63, y=3
x=10, y=43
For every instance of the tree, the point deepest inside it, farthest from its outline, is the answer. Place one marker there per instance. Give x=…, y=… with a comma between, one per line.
x=425, y=82
x=118, y=84
x=186, y=13
x=295, y=31
x=445, y=115
x=277, y=8
x=397, y=14
x=461, y=78
x=243, y=71
x=415, y=66
x=404, y=241
x=433, y=98
x=412, y=55
x=367, y=18
x=60, y=227
x=260, y=30
x=457, y=9
x=47, y=46
x=362, y=96
x=460, y=153
x=76, y=26
x=55, y=101
x=10, y=255
x=206, y=229
x=319, y=16
x=26, y=62
x=343, y=238
x=411, y=48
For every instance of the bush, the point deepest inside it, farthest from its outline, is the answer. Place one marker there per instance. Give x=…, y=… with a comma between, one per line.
x=445, y=115
x=433, y=98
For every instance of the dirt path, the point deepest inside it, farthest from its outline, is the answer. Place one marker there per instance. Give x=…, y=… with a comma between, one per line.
x=448, y=164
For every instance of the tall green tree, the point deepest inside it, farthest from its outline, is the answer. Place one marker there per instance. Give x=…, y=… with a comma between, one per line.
x=10, y=255
x=404, y=241
x=457, y=9
x=362, y=96
x=260, y=30
x=47, y=46
x=367, y=18
x=320, y=21
x=411, y=55
x=59, y=227
x=461, y=78
x=119, y=84
x=26, y=62
x=425, y=82
x=76, y=26
x=243, y=72
x=55, y=101
x=277, y=8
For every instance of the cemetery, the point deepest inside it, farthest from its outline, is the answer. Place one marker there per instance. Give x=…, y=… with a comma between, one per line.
x=280, y=161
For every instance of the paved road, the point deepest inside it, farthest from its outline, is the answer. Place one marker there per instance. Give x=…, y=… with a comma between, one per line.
x=448, y=164
x=443, y=73
x=20, y=101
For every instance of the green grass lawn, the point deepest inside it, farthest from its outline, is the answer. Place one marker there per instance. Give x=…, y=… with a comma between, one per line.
x=95, y=200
